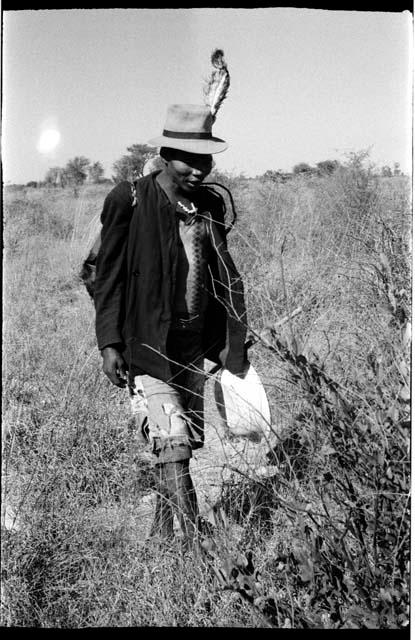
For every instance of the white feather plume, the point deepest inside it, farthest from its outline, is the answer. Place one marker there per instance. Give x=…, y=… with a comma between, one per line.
x=216, y=88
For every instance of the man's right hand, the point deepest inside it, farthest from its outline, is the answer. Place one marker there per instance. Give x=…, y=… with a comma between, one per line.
x=114, y=366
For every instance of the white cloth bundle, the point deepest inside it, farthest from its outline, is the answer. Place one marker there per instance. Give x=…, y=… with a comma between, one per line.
x=243, y=405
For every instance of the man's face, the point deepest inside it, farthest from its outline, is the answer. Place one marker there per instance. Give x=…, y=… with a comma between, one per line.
x=188, y=170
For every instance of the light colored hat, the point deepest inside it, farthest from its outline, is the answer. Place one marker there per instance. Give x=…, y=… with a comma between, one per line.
x=189, y=128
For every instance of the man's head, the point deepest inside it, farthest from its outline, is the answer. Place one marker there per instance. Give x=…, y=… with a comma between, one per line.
x=185, y=170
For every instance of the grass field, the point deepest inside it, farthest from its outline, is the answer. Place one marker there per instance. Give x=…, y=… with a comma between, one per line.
x=323, y=540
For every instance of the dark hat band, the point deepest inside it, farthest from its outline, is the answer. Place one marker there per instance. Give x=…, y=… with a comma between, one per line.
x=204, y=135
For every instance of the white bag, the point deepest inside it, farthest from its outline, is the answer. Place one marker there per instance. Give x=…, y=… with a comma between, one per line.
x=243, y=405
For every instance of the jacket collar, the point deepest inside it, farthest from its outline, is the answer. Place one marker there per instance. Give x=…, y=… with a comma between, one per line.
x=165, y=201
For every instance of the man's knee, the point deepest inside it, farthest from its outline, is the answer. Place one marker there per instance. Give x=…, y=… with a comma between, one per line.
x=172, y=431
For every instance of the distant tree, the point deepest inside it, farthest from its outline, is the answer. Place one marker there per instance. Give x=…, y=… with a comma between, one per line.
x=95, y=171
x=272, y=175
x=14, y=187
x=397, y=169
x=359, y=161
x=277, y=177
x=302, y=167
x=131, y=165
x=386, y=172
x=76, y=170
x=327, y=167
x=54, y=176
x=32, y=184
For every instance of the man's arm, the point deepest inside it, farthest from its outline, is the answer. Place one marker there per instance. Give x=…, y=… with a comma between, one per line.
x=110, y=283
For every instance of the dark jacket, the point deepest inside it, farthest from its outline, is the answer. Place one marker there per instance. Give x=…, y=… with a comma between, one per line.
x=135, y=280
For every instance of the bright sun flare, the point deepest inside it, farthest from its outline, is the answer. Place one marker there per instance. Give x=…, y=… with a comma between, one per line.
x=48, y=140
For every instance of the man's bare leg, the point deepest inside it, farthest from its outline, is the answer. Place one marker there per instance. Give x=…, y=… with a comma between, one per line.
x=163, y=517
x=182, y=495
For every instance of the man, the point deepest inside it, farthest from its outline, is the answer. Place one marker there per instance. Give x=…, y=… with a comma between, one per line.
x=168, y=295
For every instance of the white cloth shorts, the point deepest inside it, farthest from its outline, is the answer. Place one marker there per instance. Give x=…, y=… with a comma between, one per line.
x=169, y=416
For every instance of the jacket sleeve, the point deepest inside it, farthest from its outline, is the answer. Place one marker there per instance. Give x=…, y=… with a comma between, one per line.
x=111, y=271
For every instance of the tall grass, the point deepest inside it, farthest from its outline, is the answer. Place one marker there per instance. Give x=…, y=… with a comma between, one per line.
x=318, y=539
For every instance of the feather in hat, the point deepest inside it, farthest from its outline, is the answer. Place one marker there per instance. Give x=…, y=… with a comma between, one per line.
x=216, y=88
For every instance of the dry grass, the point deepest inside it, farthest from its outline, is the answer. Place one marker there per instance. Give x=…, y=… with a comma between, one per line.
x=322, y=543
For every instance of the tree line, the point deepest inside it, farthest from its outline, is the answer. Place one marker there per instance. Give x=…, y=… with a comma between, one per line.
x=326, y=168
x=131, y=165
x=80, y=169
x=75, y=172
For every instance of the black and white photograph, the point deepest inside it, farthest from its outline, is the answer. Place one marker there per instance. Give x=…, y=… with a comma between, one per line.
x=207, y=290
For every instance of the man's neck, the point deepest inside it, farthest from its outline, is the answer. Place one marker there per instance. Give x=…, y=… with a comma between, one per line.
x=171, y=190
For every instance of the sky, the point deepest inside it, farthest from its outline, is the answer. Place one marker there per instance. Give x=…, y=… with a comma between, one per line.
x=307, y=85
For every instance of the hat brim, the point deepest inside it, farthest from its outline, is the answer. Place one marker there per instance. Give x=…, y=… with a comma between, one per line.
x=204, y=147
